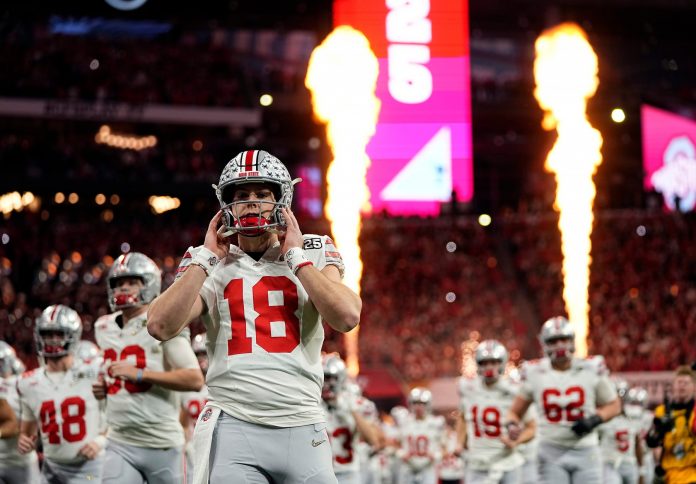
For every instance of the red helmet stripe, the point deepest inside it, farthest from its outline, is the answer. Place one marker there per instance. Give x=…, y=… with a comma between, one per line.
x=250, y=159
x=53, y=313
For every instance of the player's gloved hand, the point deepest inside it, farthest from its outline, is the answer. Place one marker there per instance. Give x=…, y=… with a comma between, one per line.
x=663, y=425
x=585, y=425
x=513, y=430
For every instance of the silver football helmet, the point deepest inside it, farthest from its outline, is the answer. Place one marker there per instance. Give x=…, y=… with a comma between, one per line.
x=622, y=388
x=420, y=395
x=490, y=350
x=88, y=353
x=636, y=402
x=638, y=396
x=399, y=414
x=57, y=319
x=17, y=366
x=552, y=330
x=7, y=356
x=133, y=264
x=254, y=166
x=334, y=376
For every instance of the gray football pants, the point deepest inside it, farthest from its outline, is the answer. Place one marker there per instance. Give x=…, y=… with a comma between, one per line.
x=562, y=465
x=87, y=472
x=246, y=453
x=28, y=474
x=625, y=473
x=128, y=464
x=513, y=476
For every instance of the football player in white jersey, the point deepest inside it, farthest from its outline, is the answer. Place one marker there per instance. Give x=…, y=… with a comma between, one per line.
x=58, y=402
x=636, y=408
x=142, y=380
x=451, y=468
x=367, y=409
x=193, y=402
x=421, y=440
x=620, y=443
x=263, y=301
x=345, y=424
x=573, y=396
x=492, y=456
x=14, y=467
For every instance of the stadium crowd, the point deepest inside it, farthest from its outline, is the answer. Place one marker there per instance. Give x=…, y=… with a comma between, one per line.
x=427, y=284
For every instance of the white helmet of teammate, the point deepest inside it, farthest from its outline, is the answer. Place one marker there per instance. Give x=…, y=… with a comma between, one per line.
x=557, y=338
x=400, y=414
x=88, y=353
x=254, y=166
x=17, y=366
x=57, y=331
x=7, y=356
x=334, y=376
x=636, y=402
x=622, y=388
x=490, y=350
x=420, y=401
x=137, y=265
x=199, y=348
x=353, y=388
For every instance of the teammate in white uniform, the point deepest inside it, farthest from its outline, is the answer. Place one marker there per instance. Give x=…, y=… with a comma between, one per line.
x=574, y=396
x=14, y=467
x=636, y=409
x=620, y=444
x=263, y=302
x=142, y=381
x=193, y=402
x=345, y=424
x=451, y=468
x=492, y=457
x=59, y=402
x=367, y=409
x=422, y=440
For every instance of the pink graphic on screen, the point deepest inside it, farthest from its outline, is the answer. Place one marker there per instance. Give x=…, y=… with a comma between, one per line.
x=669, y=157
x=421, y=151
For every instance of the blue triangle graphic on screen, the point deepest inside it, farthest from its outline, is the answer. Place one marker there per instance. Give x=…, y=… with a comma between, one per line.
x=428, y=176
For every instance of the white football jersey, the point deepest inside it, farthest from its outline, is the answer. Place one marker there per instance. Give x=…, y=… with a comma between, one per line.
x=422, y=441
x=452, y=466
x=9, y=455
x=343, y=434
x=618, y=440
x=484, y=409
x=366, y=409
x=564, y=397
x=140, y=414
x=192, y=403
x=67, y=414
x=264, y=336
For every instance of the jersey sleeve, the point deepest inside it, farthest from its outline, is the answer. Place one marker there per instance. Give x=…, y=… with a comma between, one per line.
x=606, y=392
x=526, y=390
x=25, y=408
x=207, y=291
x=179, y=354
x=464, y=390
x=321, y=250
